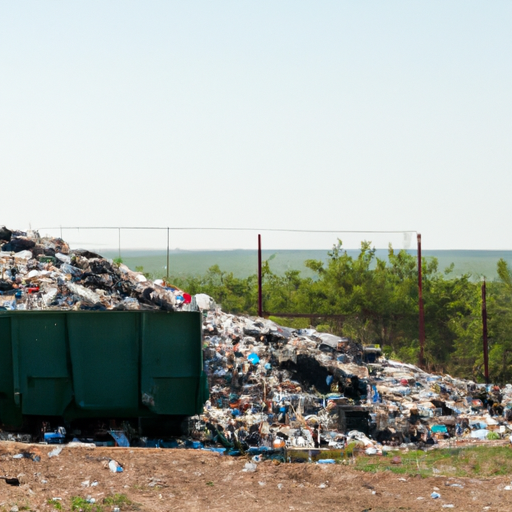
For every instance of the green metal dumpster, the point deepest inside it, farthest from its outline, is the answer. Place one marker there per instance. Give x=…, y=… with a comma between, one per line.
x=109, y=364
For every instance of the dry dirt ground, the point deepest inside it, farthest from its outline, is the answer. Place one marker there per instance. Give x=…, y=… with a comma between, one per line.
x=162, y=480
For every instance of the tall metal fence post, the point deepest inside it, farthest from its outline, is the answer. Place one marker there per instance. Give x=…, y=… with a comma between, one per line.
x=484, y=332
x=260, y=296
x=420, y=304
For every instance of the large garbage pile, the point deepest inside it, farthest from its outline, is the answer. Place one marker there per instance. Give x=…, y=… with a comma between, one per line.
x=43, y=273
x=272, y=387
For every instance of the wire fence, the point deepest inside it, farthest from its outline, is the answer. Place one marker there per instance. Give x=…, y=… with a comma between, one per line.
x=182, y=251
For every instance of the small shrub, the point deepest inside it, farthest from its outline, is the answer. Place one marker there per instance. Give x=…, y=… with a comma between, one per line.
x=56, y=504
x=117, y=500
x=80, y=504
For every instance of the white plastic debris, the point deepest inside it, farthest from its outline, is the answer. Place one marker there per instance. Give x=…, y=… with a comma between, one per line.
x=55, y=452
x=204, y=301
x=250, y=467
x=114, y=466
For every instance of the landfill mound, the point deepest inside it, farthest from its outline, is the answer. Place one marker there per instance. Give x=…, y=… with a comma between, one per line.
x=44, y=273
x=271, y=387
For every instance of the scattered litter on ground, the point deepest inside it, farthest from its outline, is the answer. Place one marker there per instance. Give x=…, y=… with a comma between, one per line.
x=55, y=452
x=114, y=466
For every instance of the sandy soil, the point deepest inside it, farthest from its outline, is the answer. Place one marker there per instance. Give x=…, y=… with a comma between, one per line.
x=162, y=480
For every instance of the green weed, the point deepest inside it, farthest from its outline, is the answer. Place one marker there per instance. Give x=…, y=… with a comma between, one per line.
x=478, y=461
x=117, y=500
x=56, y=504
x=80, y=504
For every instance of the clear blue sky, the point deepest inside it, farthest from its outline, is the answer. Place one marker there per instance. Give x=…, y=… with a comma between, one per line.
x=291, y=114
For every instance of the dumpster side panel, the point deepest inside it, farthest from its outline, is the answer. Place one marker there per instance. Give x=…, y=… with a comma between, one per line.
x=171, y=366
x=10, y=414
x=104, y=350
x=45, y=382
x=80, y=364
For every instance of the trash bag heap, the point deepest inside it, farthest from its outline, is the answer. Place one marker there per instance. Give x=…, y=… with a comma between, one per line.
x=43, y=273
x=273, y=387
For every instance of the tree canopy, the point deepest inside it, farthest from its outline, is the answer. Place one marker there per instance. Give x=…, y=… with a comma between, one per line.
x=375, y=301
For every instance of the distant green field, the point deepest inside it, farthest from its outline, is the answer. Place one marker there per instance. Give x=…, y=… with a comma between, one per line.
x=243, y=263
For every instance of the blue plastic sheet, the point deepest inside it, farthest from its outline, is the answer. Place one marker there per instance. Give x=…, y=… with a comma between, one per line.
x=253, y=358
x=196, y=445
x=216, y=450
x=120, y=438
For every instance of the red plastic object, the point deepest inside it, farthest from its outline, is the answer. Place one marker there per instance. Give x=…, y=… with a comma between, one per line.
x=187, y=298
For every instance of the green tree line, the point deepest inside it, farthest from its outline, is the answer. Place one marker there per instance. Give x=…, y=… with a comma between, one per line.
x=376, y=302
